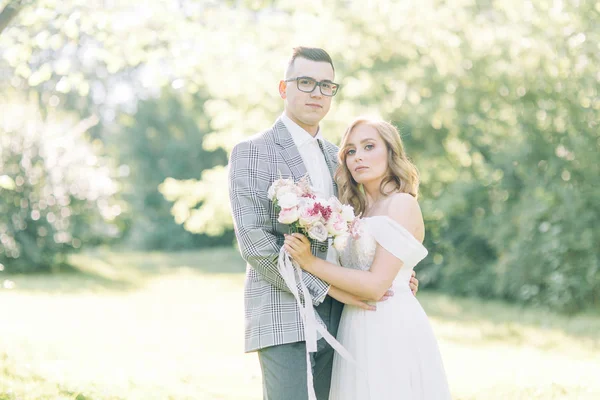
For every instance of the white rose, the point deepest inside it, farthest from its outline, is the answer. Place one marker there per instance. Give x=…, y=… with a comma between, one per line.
x=340, y=242
x=348, y=213
x=283, y=190
x=318, y=232
x=288, y=200
x=306, y=202
x=335, y=204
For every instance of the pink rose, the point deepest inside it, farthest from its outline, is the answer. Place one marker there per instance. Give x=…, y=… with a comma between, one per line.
x=288, y=215
x=280, y=187
x=336, y=224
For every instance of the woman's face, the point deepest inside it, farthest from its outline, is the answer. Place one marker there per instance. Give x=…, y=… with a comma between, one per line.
x=366, y=155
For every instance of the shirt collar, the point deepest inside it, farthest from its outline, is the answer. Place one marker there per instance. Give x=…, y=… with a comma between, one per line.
x=300, y=135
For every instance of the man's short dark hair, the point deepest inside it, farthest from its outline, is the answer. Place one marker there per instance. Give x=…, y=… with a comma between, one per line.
x=310, y=53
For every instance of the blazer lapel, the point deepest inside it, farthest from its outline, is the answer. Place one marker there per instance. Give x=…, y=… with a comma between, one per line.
x=290, y=154
x=288, y=150
x=331, y=165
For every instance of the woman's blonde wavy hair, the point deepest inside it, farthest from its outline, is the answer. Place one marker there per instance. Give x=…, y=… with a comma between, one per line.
x=401, y=174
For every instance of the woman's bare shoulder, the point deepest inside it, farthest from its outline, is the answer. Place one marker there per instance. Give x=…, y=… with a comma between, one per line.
x=404, y=209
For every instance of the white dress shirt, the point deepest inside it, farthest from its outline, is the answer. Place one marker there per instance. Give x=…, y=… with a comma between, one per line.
x=316, y=166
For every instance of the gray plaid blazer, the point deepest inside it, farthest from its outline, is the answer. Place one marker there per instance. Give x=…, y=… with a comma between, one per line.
x=271, y=312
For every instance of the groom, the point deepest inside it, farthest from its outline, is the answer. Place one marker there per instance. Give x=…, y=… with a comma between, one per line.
x=292, y=147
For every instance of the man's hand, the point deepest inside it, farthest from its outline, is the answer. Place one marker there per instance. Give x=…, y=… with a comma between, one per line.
x=414, y=283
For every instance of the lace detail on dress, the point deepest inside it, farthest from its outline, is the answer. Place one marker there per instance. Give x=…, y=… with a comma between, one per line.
x=359, y=253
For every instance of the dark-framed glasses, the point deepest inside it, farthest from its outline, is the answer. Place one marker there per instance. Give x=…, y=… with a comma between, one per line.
x=307, y=85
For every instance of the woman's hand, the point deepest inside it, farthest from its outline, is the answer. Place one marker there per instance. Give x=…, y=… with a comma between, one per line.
x=350, y=299
x=298, y=246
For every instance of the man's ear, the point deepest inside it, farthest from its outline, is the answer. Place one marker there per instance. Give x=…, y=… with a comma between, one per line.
x=282, y=86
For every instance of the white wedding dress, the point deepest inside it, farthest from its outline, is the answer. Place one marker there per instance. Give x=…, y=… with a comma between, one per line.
x=395, y=350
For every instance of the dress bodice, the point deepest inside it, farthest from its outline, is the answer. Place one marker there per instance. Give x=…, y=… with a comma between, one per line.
x=359, y=253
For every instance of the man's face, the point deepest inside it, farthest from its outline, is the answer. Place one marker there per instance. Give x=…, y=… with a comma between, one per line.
x=307, y=109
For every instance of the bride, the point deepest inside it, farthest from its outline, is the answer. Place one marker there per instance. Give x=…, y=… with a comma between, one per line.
x=395, y=350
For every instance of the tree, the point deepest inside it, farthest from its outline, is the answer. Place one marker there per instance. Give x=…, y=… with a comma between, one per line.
x=163, y=140
x=9, y=12
x=56, y=193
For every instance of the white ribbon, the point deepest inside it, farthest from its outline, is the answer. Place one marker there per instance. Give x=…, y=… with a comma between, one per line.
x=288, y=269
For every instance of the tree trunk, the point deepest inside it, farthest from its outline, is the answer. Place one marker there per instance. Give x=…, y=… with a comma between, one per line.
x=8, y=13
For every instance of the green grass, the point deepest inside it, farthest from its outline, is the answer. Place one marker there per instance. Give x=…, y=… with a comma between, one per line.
x=170, y=326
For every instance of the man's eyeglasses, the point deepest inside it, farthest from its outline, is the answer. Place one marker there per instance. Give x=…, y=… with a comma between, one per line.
x=307, y=85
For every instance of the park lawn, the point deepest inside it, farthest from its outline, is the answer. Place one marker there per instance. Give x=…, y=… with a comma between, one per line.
x=170, y=326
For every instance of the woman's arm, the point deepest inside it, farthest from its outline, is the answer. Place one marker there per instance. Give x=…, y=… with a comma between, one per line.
x=371, y=284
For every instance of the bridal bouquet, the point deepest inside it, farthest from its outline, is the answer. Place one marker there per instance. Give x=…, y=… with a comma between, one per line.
x=319, y=219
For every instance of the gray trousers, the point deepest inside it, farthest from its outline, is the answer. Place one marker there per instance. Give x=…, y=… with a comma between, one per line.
x=284, y=366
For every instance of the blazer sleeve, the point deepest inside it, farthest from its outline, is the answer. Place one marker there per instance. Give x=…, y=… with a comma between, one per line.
x=249, y=180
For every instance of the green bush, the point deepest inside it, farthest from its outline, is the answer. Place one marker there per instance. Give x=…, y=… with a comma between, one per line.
x=55, y=191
